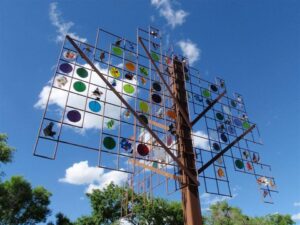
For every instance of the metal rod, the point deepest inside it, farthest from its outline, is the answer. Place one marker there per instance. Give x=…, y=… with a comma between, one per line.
x=207, y=108
x=191, y=176
x=204, y=167
x=182, y=111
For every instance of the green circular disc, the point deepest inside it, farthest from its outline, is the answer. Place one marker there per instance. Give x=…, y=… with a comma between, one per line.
x=246, y=125
x=117, y=51
x=219, y=116
x=239, y=164
x=109, y=142
x=83, y=73
x=128, y=88
x=79, y=86
x=144, y=107
x=206, y=93
x=154, y=56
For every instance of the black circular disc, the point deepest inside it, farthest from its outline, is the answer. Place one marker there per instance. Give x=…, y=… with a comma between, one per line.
x=233, y=103
x=208, y=101
x=156, y=98
x=156, y=86
x=144, y=118
x=224, y=138
x=213, y=88
x=219, y=116
x=216, y=146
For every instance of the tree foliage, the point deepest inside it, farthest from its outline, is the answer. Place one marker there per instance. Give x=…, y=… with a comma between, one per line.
x=6, y=152
x=223, y=214
x=20, y=204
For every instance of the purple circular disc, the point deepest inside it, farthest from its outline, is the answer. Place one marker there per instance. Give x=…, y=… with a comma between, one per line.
x=66, y=67
x=74, y=116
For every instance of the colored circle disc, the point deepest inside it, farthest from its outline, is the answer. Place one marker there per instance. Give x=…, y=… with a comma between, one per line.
x=237, y=122
x=144, y=71
x=144, y=118
x=156, y=86
x=216, y=146
x=69, y=55
x=246, y=125
x=206, y=93
x=79, y=86
x=128, y=88
x=239, y=164
x=114, y=72
x=219, y=116
x=169, y=140
x=213, y=88
x=156, y=98
x=142, y=149
x=130, y=66
x=83, y=73
x=171, y=114
x=144, y=107
x=224, y=138
x=233, y=103
x=154, y=56
x=221, y=172
x=65, y=68
x=94, y=106
x=74, y=116
x=109, y=142
x=117, y=51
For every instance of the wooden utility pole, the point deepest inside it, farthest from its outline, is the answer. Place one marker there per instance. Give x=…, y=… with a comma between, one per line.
x=190, y=194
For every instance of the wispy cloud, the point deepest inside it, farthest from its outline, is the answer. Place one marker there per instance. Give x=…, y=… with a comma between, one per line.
x=296, y=204
x=200, y=139
x=296, y=216
x=94, y=177
x=62, y=27
x=173, y=17
x=189, y=50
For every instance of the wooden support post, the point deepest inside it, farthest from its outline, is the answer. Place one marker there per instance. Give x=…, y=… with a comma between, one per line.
x=190, y=194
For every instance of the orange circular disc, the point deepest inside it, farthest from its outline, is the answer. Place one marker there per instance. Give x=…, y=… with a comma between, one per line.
x=130, y=66
x=171, y=114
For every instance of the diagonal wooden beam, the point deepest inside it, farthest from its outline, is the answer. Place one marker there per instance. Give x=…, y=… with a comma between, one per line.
x=207, y=108
x=154, y=135
x=182, y=111
x=158, y=171
x=204, y=167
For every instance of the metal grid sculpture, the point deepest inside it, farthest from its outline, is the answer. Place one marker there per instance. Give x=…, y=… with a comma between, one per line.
x=144, y=106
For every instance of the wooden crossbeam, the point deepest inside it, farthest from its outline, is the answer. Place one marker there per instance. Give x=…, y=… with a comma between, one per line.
x=158, y=171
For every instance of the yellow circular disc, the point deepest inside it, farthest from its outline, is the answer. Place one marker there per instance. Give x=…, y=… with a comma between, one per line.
x=130, y=66
x=144, y=107
x=115, y=72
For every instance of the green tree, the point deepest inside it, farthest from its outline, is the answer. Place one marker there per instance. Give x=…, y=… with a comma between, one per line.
x=20, y=204
x=107, y=205
x=6, y=152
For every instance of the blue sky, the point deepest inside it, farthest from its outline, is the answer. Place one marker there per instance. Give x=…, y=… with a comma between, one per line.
x=253, y=45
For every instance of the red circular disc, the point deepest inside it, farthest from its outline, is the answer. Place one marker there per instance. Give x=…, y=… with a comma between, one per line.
x=142, y=149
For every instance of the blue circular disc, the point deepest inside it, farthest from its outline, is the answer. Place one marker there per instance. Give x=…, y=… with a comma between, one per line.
x=94, y=106
x=65, y=68
x=237, y=122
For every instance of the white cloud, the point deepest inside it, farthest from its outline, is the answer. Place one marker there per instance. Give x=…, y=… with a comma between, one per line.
x=189, y=50
x=200, y=139
x=173, y=17
x=296, y=216
x=62, y=27
x=82, y=174
x=210, y=199
x=296, y=204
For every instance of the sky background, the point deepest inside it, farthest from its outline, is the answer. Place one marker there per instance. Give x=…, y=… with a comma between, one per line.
x=253, y=45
